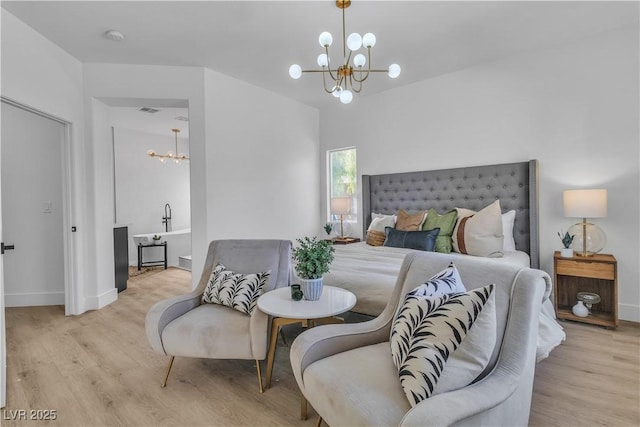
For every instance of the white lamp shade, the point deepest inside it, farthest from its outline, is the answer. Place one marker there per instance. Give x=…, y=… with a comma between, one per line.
x=325, y=39
x=394, y=70
x=359, y=60
x=295, y=71
x=323, y=61
x=369, y=40
x=354, y=41
x=340, y=205
x=346, y=96
x=591, y=203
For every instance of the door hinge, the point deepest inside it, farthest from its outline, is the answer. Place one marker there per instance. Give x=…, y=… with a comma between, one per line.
x=4, y=247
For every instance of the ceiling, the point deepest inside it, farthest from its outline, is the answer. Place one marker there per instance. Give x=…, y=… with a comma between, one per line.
x=257, y=41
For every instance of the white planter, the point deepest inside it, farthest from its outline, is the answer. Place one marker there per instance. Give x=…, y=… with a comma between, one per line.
x=566, y=252
x=311, y=288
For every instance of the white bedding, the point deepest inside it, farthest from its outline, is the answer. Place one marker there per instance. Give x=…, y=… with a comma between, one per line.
x=370, y=272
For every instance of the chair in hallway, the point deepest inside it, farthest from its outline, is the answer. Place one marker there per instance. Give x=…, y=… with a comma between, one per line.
x=185, y=326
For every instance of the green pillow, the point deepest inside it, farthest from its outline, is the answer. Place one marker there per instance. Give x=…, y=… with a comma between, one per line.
x=445, y=223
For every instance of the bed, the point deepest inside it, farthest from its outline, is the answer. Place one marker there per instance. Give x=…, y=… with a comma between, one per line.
x=370, y=272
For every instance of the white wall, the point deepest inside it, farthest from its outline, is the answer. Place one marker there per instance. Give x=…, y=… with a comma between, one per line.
x=263, y=162
x=573, y=107
x=38, y=74
x=144, y=185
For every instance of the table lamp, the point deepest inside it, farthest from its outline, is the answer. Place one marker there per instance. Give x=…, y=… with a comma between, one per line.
x=592, y=203
x=341, y=206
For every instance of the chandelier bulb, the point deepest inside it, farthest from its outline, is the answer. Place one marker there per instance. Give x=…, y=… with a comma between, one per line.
x=368, y=40
x=170, y=154
x=354, y=42
x=163, y=160
x=394, y=70
x=323, y=60
x=325, y=39
x=346, y=96
x=151, y=153
x=295, y=71
x=359, y=60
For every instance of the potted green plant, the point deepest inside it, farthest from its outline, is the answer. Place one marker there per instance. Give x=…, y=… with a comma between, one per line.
x=566, y=240
x=312, y=258
x=156, y=239
x=328, y=228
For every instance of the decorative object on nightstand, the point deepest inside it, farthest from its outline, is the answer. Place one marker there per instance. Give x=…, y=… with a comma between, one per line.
x=592, y=203
x=341, y=206
x=566, y=239
x=328, y=228
x=592, y=282
x=312, y=257
x=580, y=310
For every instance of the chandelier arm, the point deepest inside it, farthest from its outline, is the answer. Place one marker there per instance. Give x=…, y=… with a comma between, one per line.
x=324, y=84
x=326, y=49
x=353, y=87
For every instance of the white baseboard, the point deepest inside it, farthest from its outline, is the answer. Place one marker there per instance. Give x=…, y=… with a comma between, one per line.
x=102, y=300
x=629, y=312
x=33, y=299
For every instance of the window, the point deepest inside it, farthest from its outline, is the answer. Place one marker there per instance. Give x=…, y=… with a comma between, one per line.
x=342, y=184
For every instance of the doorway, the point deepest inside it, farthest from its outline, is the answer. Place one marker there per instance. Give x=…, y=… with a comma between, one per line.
x=33, y=206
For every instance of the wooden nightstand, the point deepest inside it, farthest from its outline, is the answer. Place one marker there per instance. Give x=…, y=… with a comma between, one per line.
x=597, y=274
x=343, y=240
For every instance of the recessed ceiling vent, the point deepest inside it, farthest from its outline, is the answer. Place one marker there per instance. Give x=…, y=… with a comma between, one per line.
x=148, y=110
x=182, y=118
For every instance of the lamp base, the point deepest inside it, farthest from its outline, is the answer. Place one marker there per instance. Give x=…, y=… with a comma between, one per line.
x=589, y=239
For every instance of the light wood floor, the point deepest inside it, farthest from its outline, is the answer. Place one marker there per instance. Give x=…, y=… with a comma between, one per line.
x=98, y=369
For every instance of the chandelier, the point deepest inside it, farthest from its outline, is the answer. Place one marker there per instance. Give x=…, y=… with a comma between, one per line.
x=177, y=158
x=347, y=77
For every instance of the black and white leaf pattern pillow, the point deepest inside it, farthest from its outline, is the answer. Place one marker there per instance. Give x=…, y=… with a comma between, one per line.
x=235, y=290
x=426, y=331
x=447, y=281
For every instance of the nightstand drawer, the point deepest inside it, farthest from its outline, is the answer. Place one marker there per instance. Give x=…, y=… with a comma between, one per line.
x=597, y=270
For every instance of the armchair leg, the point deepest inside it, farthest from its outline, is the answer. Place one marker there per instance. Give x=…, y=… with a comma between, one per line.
x=319, y=421
x=259, y=375
x=164, y=384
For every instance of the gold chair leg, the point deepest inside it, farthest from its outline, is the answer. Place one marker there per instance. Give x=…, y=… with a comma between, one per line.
x=319, y=421
x=303, y=407
x=259, y=375
x=164, y=384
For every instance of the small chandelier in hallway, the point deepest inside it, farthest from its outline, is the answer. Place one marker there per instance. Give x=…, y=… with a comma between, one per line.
x=177, y=158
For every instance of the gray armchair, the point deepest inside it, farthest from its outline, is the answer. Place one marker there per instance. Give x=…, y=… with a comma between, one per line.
x=182, y=326
x=347, y=374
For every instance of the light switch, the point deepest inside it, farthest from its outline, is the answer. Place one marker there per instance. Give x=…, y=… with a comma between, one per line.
x=46, y=207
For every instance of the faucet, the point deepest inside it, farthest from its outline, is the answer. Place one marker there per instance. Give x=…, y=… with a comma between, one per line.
x=166, y=219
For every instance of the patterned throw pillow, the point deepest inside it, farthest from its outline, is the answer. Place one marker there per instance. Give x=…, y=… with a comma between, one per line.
x=448, y=281
x=238, y=291
x=426, y=331
x=375, y=238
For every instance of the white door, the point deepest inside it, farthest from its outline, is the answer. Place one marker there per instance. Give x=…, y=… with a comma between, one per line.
x=32, y=208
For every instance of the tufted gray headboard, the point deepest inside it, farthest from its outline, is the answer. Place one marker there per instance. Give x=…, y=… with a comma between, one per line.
x=515, y=184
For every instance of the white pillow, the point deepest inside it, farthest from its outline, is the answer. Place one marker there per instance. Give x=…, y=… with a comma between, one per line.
x=427, y=331
x=479, y=233
x=379, y=222
x=509, y=244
